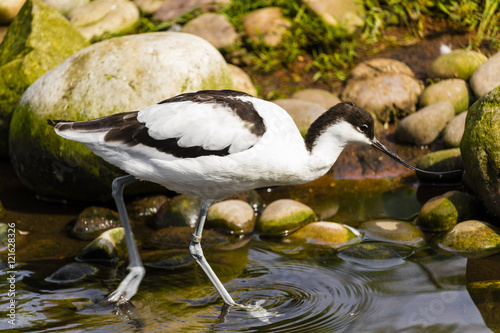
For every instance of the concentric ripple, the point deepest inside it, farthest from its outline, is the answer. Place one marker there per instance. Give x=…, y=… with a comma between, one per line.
x=296, y=296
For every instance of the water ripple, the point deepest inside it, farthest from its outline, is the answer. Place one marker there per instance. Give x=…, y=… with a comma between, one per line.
x=297, y=297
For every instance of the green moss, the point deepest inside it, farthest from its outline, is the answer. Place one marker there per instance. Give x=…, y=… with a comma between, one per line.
x=286, y=224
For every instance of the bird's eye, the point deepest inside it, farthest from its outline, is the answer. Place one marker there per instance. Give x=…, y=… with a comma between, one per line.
x=363, y=128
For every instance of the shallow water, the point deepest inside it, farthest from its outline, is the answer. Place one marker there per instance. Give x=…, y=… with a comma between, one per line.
x=305, y=289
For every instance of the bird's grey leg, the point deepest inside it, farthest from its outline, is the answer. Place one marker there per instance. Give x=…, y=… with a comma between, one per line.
x=197, y=253
x=128, y=287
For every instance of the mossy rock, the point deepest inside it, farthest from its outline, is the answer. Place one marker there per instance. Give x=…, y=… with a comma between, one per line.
x=393, y=231
x=456, y=91
x=93, y=221
x=231, y=216
x=99, y=80
x=108, y=247
x=38, y=40
x=324, y=233
x=472, y=239
x=283, y=217
x=456, y=64
x=445, y=211
x=181, y=211
x=72, y=272
x=439, y=161
x=145, y=209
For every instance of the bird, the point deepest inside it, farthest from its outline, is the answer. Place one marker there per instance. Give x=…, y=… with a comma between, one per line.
x=211, y=144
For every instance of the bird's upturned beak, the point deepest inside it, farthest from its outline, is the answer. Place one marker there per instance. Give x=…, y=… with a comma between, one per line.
x=439, y=175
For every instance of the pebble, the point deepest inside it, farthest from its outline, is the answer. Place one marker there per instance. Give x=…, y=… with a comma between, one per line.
x=283, y=217
x=456, y=91
x=456, y=64
x=322, y=97
x=302, y=112
x=324, y=233
x=486, y=77
x=92, y=221
x=454, y=130
x=393, y=231
x=472, y=239
x=444, y=211
x=99, y=17
x=72, y=272
x=214, y=28
x=266, y=25
x=109, y=246
x=425, y=125
x=233, y=216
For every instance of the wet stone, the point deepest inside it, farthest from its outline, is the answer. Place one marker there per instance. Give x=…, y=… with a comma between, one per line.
x=283, y=217
x=251, y=197
x=393, y=231
x=376, y=255
x=92, y=221
x=109, y=246
x=180, y=238
x=181, y=211
x=441, y=160
x=72, y=272
x=472, y=239
x=324, y=233
x=445, y=211
x=145, y=209
x=232, y=216
x=169, y=259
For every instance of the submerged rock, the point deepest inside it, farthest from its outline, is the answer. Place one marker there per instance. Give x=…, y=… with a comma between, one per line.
x=232, y=216
x=94, y=220
x=109, y=246
x=180, y=238
x=456, y=64
x=376, y=255
x=72, y=272
x=393, y=231
x=455, y=91
x=65, y=6
x=480, y=147
x=425, y=125
x=472, y=239
x=324, y=233
x=181, y=211
x=103, y=79
x=168, y=259
x=38, y=40
x=445, y=211
x=283, y=217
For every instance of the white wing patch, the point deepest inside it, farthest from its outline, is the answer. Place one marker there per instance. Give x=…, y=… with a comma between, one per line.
x=208, y=125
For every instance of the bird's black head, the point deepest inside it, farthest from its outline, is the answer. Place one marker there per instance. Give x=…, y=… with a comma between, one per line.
x=360, y=119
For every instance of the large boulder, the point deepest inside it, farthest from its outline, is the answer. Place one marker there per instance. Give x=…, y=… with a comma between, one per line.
x=480, y=147
x=39, y=39
x=105, y=78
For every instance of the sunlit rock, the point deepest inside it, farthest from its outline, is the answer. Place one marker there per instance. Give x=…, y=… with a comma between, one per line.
x=72, y=272
x=99, y=17
x=284, y=216
x=38, y=40
x=480, y=147
x=425, y=125
x=472, y=239
x=441, y=160
x=65, y=6
x=486, y=77
x=348, y=15
x=266, y=25
x=214, y=28
x=445, y=211
x=241, y=80
x=456, y=91
x=453, y=132
x=9, y=9
x=456, y=64
x=393, y=231
x=324, y=233
x=302, y=112
x=232, y=216
x=92, y=221
x=319, y=96
x=109, y=246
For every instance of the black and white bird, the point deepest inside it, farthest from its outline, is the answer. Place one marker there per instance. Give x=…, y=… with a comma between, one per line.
x=212, y=144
